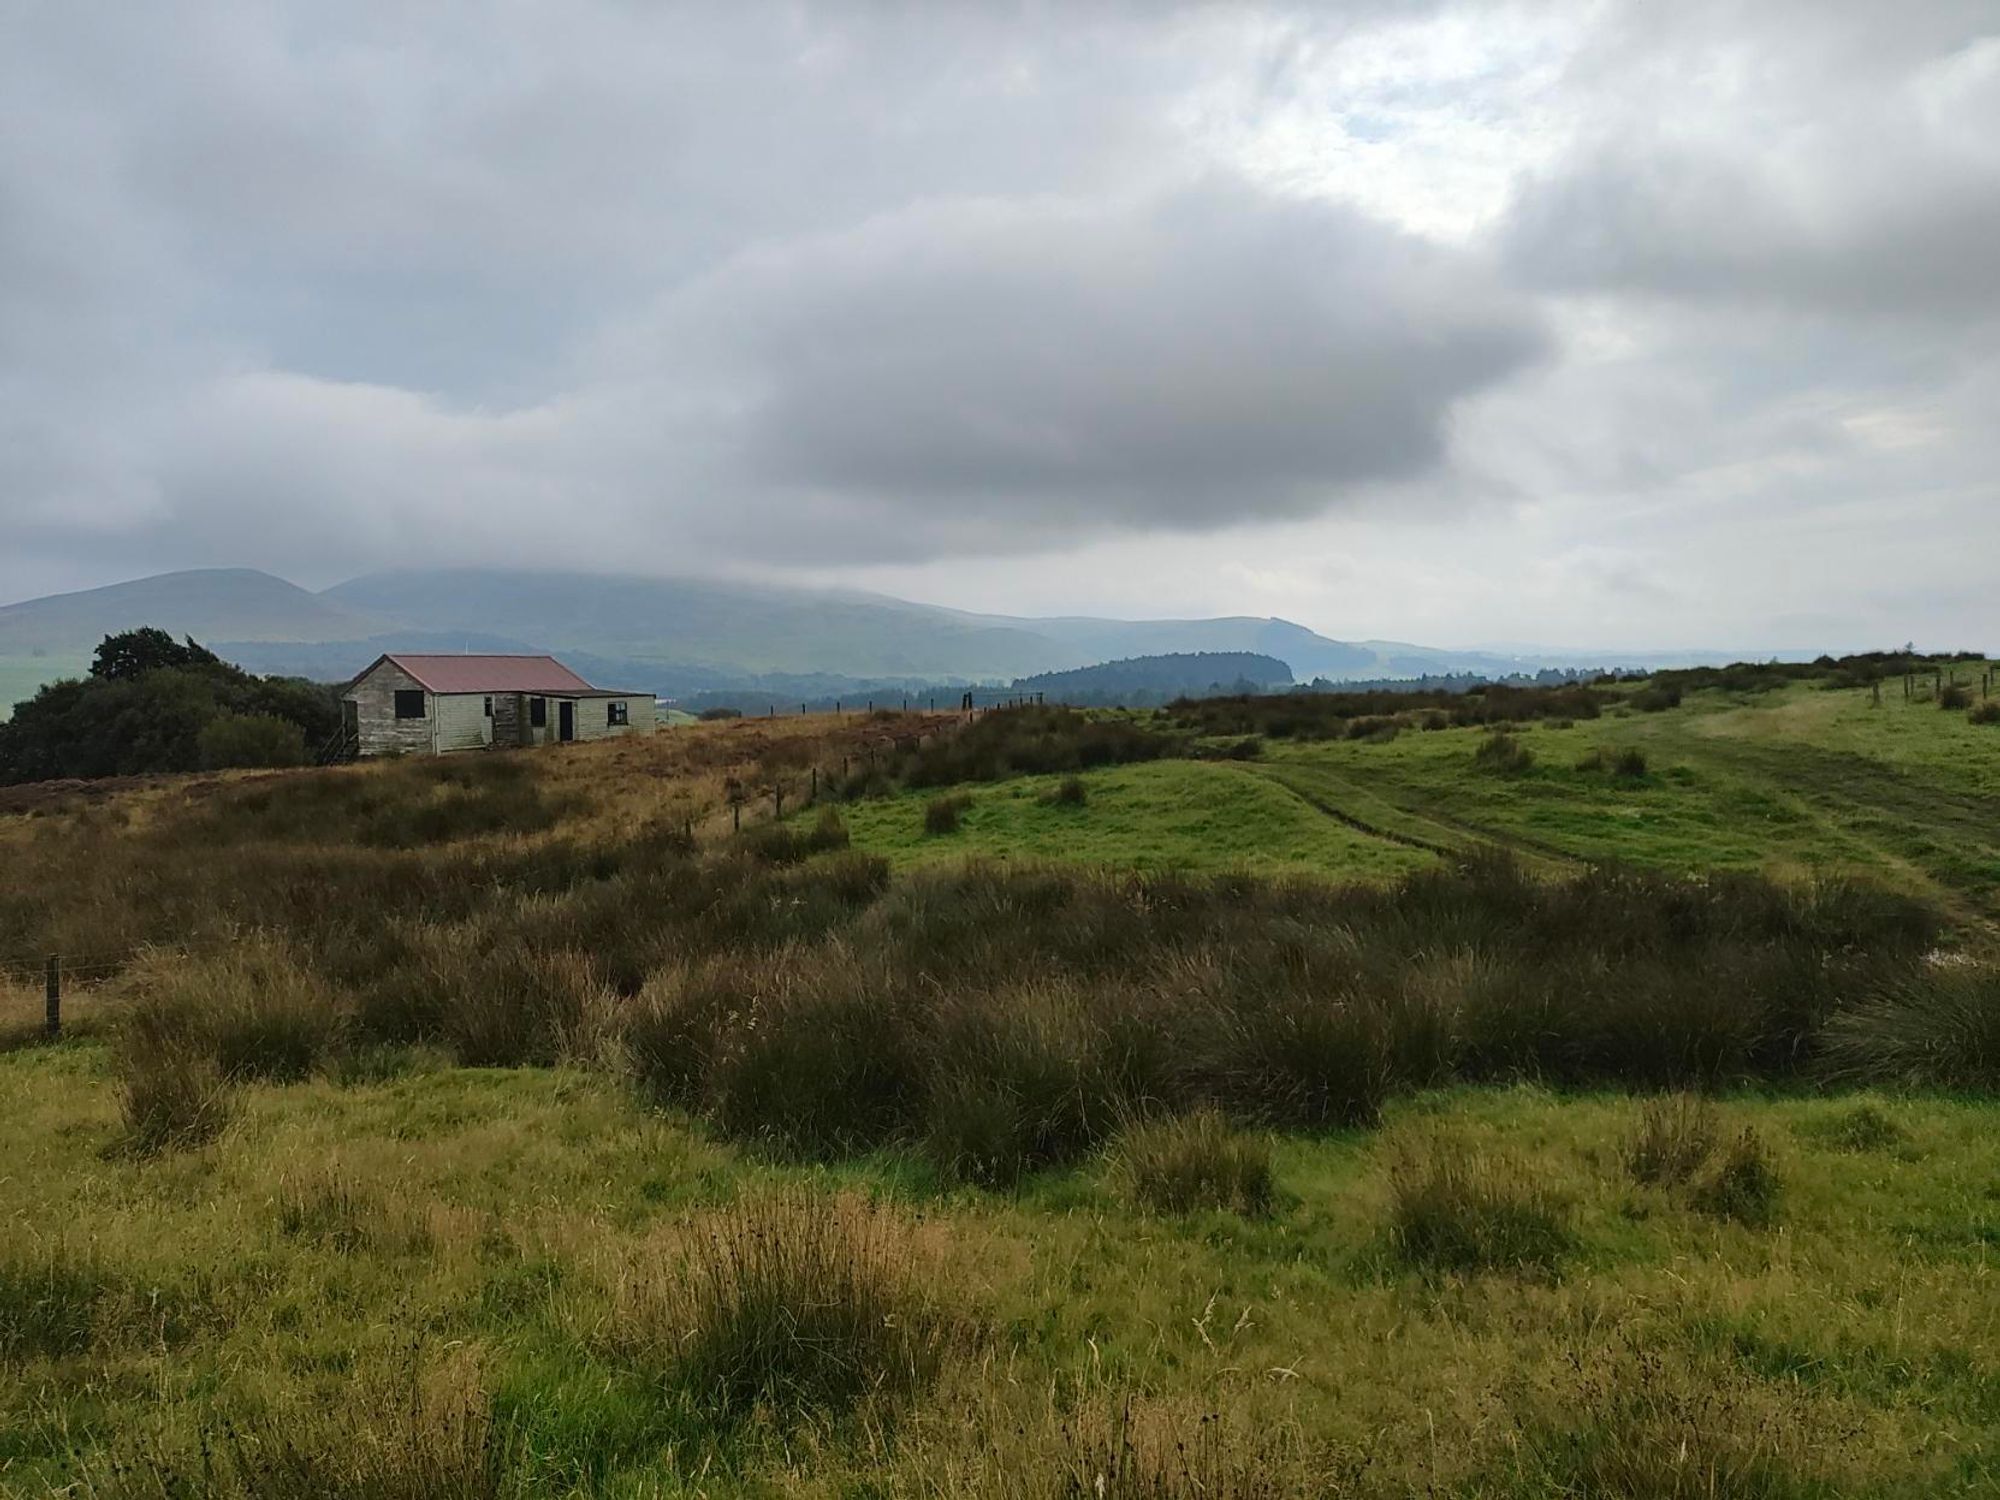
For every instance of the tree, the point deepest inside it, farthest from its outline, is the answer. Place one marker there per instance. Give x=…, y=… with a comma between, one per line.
x=133, y=653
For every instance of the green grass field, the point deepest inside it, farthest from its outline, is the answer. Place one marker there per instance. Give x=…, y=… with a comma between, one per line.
x=508, y=1127
x=487, y=1219
x=1792, y=781
x=1186, y=815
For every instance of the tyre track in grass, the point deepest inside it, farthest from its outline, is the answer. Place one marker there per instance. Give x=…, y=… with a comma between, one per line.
x=1467, y=838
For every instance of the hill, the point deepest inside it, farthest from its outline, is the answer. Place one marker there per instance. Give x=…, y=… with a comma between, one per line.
x=674, y=636
x=1141, y=680
x=211, y=604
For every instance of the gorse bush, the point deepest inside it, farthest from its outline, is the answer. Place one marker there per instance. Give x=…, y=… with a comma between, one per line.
x=1071, y=791
x=1194, y=1162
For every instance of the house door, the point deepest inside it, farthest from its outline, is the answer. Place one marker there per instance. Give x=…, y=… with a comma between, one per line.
x=565, y=721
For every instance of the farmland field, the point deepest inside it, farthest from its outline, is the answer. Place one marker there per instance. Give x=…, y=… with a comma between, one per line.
x=1585, y=1106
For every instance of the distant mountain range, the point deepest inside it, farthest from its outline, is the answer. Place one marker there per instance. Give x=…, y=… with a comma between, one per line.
x=677, y=636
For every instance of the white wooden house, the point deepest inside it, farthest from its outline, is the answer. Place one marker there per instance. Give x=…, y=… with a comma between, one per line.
x=424, y=705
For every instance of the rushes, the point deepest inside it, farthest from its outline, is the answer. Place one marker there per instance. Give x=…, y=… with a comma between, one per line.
x=1937, y=1030
x=1454, y=1211
x=1193, y=1163
x=793, y=1304
x=1675, y=1138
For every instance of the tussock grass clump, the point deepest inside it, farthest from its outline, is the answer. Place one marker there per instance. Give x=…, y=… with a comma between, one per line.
x=255, y=1007
x=1862, y=1128
x=1455, y=1211
x=1674, y=1139
x=1071, y=791
x=1503, y=754
x=943, y=814
x=1742, y=1185
x=792, y=1304
x=787, y=844
x=1134, y=1449
x=49, y=1305
x=1627, y=763
x=1986, y=713
x=1642, y=1427
x=333, y=1209
x=1938, y=1029
x=1193, y=1163
x=412, y=1432
x=172, y=1096
x=1954, y=697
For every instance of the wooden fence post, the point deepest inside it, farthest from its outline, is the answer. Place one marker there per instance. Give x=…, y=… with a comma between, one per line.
x=815, y=784
x=736, y=817
x=778, y=803
x=54, y=996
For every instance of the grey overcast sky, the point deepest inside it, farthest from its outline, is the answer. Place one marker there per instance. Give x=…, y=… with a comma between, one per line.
x=1609, y=324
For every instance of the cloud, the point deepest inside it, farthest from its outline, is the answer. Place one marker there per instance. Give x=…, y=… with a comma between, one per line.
x=1834, y=158
x=1007, y=372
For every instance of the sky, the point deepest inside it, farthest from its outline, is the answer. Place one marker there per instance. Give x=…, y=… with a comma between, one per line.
x=1618, y=325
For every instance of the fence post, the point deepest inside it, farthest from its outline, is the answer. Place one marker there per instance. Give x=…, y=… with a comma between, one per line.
x=778, y=803
x=54, y=994
x=815, y=784
x=736, y=817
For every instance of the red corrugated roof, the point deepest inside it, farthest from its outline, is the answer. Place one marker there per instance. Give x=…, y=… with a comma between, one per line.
x=491, y=674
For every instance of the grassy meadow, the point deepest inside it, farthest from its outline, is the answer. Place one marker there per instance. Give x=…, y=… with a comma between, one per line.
x=1472, y=1111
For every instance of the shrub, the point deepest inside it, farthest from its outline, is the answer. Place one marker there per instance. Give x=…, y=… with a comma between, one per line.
x=1954, y=696
x=941, y=814
x=1194, y=1162
x=1654, y=700
x=1453, y=1211
x=1937, y=1030
x=793, y=1303
x=1069, y=792
x=1628, y=763
x=232, y=740
x=1675, y=1138
x=1986, y=713
x=1502, y=754
x=1743, y=1184
x=715, y=715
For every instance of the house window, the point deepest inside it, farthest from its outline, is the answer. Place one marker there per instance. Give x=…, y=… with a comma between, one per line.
x=616, y=713
x=409, y=703
x=538, y=712
x=489, y=705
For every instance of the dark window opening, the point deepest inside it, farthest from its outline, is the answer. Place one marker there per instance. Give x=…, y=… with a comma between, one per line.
x=409, y=703
x=489, y=705
x=538, y=712
x=616, y=713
